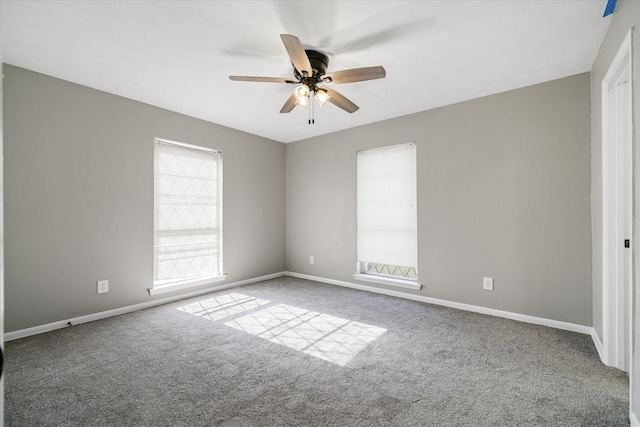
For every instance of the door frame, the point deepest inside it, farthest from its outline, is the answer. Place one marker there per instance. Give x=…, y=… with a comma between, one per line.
x=615, y=295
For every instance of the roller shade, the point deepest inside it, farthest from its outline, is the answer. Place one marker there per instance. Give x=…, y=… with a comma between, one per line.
x=187, y=212
x=386, y=203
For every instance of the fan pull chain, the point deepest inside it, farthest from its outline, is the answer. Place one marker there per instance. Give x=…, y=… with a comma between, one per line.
x=312, y=119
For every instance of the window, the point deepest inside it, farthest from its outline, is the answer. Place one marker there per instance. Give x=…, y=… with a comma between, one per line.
x=387, y=216
x=187, y=216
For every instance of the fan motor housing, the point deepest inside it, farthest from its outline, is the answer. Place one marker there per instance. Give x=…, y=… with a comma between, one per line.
x=319, y=63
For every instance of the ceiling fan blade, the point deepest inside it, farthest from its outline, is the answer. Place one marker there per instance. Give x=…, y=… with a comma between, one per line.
x=297, y=54
x=261, y=79
x=356, y=75
x=288, y=106
x=341, y=101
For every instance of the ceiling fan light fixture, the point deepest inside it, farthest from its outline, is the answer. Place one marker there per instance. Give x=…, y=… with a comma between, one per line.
x=322, y=96
x=302, y=102
x=301, y=92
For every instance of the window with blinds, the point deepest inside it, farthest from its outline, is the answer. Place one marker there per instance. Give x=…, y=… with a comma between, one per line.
x=386, y=212
x=187, y=212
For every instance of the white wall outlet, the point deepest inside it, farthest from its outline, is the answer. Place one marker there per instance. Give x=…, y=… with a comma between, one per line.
x=312, y=260
x=103, y=286
x=487, y=283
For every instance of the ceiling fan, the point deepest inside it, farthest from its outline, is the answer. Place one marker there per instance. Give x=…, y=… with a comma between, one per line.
x=310, y=71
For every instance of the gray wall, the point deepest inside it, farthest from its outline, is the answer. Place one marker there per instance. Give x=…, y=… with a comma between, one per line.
x=503, y=191
x=626, y=16
x=79, y=198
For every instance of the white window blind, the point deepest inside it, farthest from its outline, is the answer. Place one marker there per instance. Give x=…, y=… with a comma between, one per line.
x=387, y=215
x=187, y=211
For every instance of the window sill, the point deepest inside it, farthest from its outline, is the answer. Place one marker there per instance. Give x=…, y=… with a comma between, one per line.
x=407, y=284
x=185, y=284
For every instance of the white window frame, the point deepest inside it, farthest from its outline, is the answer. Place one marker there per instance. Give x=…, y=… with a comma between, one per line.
x=361, y=265
x=171, y=285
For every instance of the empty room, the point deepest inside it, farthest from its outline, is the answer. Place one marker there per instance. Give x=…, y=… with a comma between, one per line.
x=319, y=213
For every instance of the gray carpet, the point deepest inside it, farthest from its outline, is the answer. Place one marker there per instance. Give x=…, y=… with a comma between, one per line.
x=290, y=352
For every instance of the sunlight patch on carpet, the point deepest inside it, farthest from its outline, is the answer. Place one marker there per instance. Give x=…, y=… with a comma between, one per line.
x=223, y=306
x=326, y=337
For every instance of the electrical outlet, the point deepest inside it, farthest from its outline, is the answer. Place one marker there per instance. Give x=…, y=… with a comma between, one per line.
x=103, y=286
x=487, y=283
x=312, y=260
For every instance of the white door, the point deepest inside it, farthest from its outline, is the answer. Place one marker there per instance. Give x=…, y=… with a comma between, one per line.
x=624, y=198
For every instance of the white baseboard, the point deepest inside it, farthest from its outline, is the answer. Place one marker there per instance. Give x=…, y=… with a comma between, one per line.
x=599, y=347
x=634, y=420
x=461, y=306
x=8, y=336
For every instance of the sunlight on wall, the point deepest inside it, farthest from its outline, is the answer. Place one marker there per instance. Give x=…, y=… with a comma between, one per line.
x=326, y=337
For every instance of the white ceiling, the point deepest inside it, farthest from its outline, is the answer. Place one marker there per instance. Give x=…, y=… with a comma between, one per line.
x=178, y=54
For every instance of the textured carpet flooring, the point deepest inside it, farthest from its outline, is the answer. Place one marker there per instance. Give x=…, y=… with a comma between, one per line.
x=290, y=352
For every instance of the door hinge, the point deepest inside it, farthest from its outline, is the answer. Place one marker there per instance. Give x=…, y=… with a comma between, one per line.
x=627, y=243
